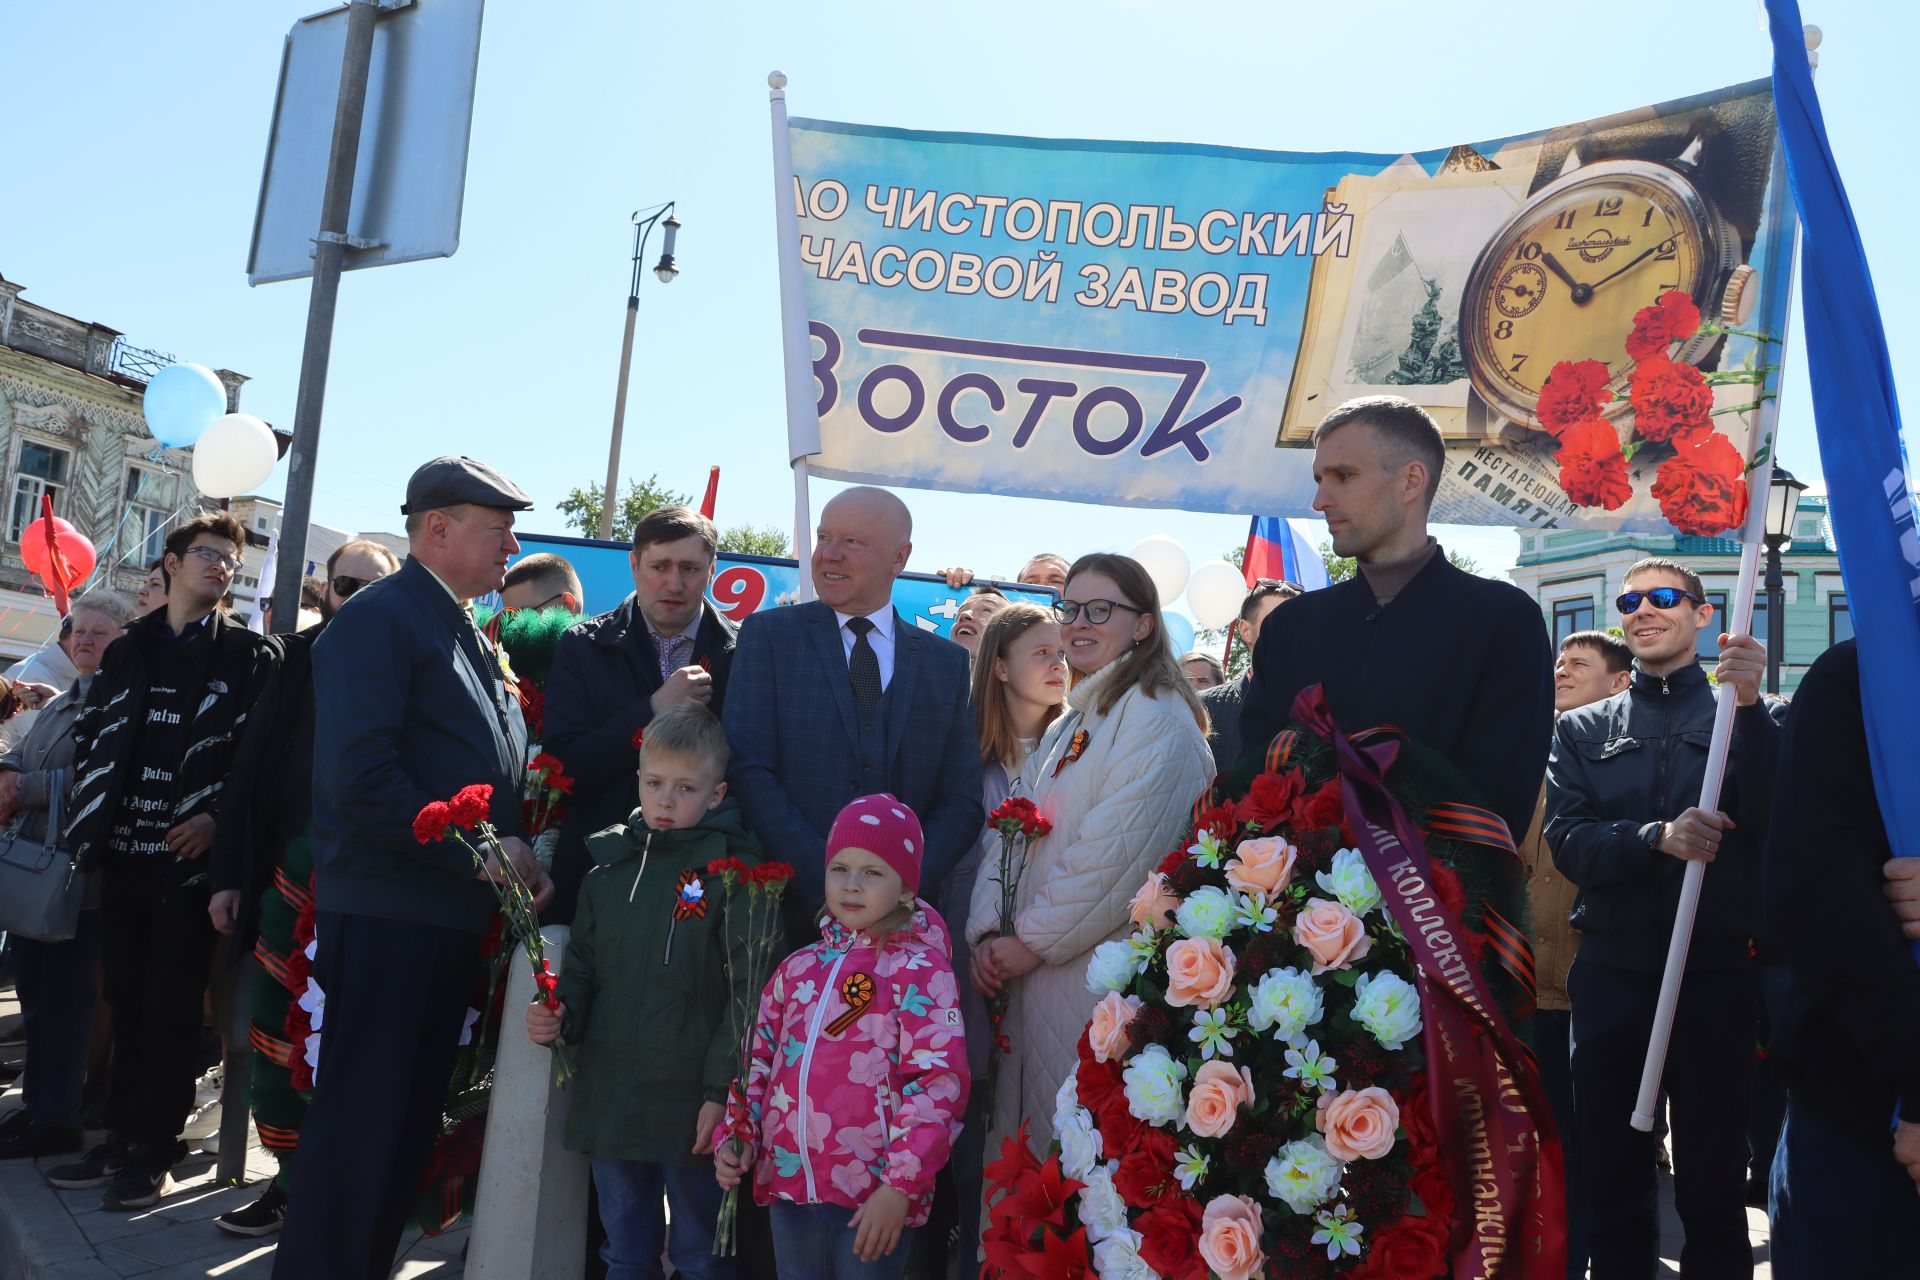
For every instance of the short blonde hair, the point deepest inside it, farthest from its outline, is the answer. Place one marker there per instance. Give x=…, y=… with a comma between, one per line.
x=688, y=731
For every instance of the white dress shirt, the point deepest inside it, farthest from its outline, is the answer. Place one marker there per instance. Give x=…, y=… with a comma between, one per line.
x=880, y=638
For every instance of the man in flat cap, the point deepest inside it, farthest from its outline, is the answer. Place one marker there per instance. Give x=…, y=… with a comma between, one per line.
x=410, y=706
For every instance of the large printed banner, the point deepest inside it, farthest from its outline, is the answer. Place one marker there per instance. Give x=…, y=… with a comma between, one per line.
x=1585, y=310
x=743, y=585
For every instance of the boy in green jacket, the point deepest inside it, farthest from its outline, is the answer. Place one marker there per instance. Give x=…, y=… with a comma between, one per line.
x=644, y=993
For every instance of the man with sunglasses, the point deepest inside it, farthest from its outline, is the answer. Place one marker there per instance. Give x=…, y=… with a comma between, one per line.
x=542, y=581
x=1623, y=819
x=154, y=746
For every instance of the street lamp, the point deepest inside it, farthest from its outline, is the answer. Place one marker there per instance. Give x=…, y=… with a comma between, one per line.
x=1783, y=503
x=664, y=270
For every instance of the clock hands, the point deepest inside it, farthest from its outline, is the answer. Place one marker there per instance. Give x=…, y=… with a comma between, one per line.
x=1581, y=292
x=1631, y=265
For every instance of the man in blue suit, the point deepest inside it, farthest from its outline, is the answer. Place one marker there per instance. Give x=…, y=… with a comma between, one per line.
x=410, y=705
x=842, y=697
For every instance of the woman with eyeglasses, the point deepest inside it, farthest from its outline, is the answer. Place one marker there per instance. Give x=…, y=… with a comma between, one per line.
x=1116, y=774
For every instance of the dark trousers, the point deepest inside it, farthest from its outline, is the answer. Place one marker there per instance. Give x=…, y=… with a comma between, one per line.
x=1840, y=1206
x=156, y=952
x=54, y=981
x=396, y=999
x=1552, y=1034
x=814, y=1242
x=1709, y=1083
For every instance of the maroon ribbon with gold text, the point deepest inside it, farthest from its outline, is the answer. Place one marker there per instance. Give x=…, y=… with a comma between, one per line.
x=1496, y=1130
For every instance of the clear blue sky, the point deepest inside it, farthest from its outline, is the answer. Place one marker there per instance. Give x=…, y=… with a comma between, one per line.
x=128, y=182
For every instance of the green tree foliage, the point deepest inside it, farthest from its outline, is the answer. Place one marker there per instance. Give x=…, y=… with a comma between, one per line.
x=581, y=509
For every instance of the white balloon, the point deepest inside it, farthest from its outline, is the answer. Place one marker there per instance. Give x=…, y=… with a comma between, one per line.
x=234, y=454
x=1214, y=593
x=1165, y=561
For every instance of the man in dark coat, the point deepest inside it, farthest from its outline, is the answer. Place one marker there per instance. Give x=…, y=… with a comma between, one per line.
x=1459, y=662
x=1225, y=701
x=410, y=706
x=614, y=673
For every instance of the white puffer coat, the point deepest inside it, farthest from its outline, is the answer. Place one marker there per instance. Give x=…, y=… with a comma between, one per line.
x=1117, y=810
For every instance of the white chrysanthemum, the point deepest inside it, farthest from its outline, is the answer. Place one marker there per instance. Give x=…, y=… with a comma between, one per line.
x=1285, y=1001
x=1111, y=967
x=1351, y=882
x=1387, y=1007
x=1073, y=1125
x=1153, y=1086
x=1303, y=1175
x=1102, y=1211
x=1206, y=913
x=1118, y=1258
x=1144, y=944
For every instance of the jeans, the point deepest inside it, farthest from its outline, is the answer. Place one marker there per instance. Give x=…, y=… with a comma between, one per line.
x=630, y=1194
x=1840, y=1207
x=814, y=1242
x=1553, y=1045
x=55, y=986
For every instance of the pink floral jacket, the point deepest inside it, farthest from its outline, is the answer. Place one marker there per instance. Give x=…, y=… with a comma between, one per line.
x=859, y=1069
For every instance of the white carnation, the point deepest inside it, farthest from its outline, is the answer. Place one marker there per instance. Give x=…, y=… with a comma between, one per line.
x=1303, y=1175
x=1153, y=1086
x=1118, y=1258
x=1073, y=1126
x=1102, y=1211
x=1206, y=913
x=1351, y=882
x=1111, y=967
x=1387, y=1007
x=1286, y=1001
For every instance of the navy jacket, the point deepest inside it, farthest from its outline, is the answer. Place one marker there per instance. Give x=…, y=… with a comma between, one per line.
x=794, y=729
x=406, y=712
x=598, y=695
x=1460, y=663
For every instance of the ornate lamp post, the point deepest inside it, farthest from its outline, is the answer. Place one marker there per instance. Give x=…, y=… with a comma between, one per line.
x=1783, y=503
x=664, y=270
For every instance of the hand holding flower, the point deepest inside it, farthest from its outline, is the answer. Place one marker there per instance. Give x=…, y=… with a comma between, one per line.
x=543, y=1024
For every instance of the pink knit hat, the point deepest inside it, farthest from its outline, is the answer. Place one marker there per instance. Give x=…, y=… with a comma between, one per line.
x=884, y=827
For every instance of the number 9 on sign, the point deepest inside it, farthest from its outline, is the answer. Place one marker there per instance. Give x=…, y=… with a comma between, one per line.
x=738, y=591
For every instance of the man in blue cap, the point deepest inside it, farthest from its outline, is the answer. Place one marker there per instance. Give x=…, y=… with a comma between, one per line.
x=410, y=706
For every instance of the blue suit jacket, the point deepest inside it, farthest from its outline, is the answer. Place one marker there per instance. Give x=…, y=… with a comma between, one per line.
x=794, y=730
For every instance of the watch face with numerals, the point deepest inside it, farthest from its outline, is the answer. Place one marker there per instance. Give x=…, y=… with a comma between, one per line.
x=1565, y=275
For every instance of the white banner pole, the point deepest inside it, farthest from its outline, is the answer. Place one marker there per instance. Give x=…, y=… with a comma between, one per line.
x=1759, y=482
x=796, y=346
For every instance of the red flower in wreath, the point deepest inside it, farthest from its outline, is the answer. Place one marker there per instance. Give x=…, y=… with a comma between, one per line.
x=471, y=805
x=1670, y=401
x=1324, y=808
x=1170, y=1238
x=431, y=823
x=1674, y=318
x=1574, y=391
x=1271, y=798
x=1593, y=471
x=1702, y=489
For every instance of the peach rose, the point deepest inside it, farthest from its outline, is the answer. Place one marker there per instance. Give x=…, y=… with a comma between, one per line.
x=1359, y=1125
x=1218, y=1091
x=1332, y=933
x=1230, y=1237
x=1153, y=904
x=1264, y=866
x=1199, y=972
x=1107, y=1031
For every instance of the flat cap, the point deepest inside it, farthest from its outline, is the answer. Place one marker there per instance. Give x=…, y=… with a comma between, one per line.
x=450, y=482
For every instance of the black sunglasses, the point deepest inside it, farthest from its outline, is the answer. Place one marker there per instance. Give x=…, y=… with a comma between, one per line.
x=1662, y=597
x=1097, y=611
x=344, y=585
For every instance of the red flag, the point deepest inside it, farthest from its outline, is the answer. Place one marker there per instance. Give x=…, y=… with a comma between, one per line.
x=713, y=492
x=56, y=562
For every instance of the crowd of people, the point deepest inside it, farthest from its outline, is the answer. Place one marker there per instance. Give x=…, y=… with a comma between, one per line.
x=209, y=781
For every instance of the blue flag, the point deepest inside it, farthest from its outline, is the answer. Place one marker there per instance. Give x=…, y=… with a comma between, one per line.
x=1857, y=419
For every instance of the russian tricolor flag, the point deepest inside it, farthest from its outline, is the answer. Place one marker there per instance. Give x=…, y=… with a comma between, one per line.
x=1281, y=548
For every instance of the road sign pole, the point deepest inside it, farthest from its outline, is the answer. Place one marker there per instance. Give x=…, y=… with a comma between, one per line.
x=330, y=252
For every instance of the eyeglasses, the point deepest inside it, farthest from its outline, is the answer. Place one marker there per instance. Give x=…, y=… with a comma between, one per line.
x=1097, y=611
x=212, y=555
x=1662, y=598
x=345, y=585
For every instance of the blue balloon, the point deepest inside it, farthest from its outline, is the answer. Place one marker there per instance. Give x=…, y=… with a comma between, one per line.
x=1179, y=632
x=180, y=401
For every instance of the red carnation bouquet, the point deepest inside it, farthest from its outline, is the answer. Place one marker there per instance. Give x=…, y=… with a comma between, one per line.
x=1700, y=482
x=464, y=816
x=543, y=804
x=756, y=890
x=1020, y=823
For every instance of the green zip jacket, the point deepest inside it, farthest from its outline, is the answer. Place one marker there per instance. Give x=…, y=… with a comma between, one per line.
x=646, y=990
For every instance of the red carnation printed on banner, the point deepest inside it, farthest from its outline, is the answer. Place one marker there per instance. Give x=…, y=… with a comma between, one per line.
x=1702, y=489
x=431, y=823
x=471, y=805
x=1574, y=391
x=1670, y=401
x=1593, y=471
x=1674, y=318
